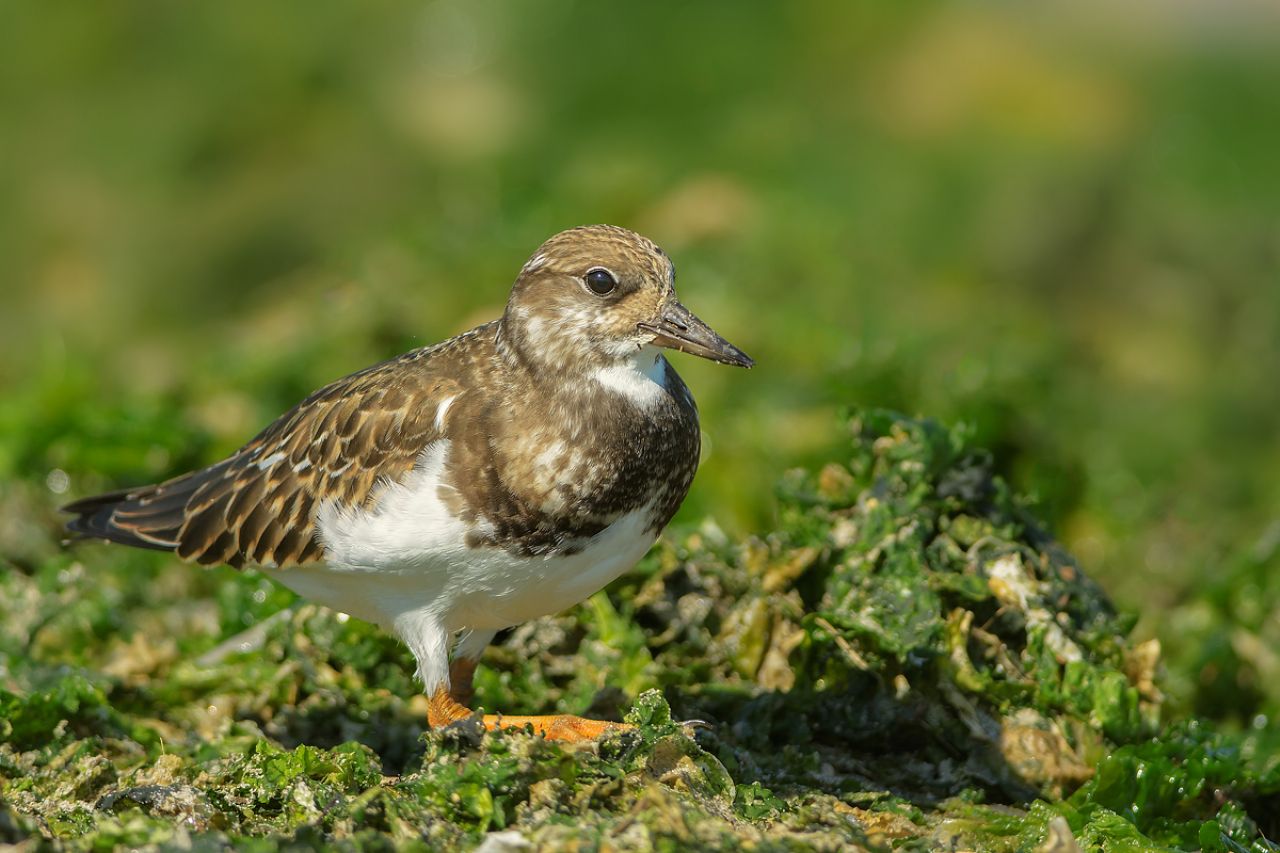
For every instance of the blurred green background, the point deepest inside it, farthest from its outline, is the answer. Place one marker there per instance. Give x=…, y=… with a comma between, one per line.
x=1057, y=221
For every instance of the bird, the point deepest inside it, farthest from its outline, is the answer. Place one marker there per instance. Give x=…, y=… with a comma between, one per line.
x=463, y=488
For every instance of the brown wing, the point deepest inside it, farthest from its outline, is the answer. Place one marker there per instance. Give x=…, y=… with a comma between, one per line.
x=258, y=506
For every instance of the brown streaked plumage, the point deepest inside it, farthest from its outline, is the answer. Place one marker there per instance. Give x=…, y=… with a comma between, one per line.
x=257, y=507
x=506, y=473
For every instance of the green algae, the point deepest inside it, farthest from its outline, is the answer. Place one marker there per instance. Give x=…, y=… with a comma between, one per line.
x=907, y=661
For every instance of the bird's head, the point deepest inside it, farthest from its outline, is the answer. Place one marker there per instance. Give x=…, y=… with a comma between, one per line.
x=598, y=295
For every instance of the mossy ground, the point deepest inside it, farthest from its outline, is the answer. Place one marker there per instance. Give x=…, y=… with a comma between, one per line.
x=907, y=661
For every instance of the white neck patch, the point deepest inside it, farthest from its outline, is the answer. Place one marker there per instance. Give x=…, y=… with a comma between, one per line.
x=640, y=378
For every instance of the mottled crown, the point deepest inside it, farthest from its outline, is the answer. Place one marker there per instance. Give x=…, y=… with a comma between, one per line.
x=588, y=245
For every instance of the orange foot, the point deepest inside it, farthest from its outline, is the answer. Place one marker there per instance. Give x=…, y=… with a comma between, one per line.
x=444, y=708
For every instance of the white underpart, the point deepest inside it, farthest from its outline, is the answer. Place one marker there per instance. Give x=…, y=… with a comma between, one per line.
x=443, y=410
x=429, y=583
x=472, y=643
x=641, y=378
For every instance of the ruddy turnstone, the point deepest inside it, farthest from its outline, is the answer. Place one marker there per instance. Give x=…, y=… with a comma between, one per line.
x=505, y=474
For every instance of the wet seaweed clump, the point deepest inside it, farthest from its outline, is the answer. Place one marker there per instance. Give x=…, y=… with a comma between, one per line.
x=910, y=621
x=906, y=661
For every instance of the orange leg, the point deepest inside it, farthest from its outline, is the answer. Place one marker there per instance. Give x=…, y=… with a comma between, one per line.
x=448, y=706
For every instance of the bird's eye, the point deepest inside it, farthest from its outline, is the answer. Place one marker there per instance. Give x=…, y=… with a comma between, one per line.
x=601, y=281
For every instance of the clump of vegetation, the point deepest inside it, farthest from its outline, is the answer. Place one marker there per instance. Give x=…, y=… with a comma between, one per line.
x=906, y=661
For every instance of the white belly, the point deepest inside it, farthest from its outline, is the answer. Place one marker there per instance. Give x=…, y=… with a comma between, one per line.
x=409, y=554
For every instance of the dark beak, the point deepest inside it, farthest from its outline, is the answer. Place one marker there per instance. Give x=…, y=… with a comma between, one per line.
x=678, y=329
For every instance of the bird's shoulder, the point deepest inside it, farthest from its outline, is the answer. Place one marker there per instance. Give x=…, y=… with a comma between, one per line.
x=396, y=404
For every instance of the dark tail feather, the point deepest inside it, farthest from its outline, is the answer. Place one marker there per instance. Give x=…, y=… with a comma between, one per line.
x=146, y=517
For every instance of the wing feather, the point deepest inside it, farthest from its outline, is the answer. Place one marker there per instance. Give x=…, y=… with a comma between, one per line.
x=259, y=506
